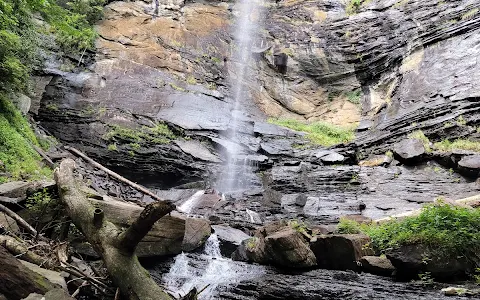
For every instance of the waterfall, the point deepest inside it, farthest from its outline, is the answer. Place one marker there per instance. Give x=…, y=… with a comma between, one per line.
x=239, y=169
x=208, y=269
x=191, y=203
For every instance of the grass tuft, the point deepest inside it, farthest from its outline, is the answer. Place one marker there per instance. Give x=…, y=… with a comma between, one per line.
x=460, y=144
x=319, y=133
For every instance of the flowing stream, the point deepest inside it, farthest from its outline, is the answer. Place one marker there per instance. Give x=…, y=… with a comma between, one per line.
x=208, y=269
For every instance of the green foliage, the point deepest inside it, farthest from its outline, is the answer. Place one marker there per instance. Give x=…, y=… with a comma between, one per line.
x=446, y=230
x=347, y=226
x=459, y=144
x=73, y=25
x=17, y=43
x=158, y=134
x=418, y=134
x=355, y=96
x=470, y=14
x=16, y=138
x=354, y=6
x=38, y=201
x=112, y=147
x=318, y=132
x=298, y=226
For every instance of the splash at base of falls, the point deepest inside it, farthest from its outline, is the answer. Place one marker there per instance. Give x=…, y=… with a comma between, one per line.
x=208, y=269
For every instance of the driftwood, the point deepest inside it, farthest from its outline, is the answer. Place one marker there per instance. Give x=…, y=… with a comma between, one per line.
x=20, y=221
x=108, y=240
x=113, y=174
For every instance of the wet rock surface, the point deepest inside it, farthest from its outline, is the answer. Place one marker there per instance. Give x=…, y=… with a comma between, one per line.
x=327, y=284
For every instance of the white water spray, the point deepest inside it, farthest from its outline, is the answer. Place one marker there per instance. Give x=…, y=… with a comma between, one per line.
x=191, y=203
x=210, y=269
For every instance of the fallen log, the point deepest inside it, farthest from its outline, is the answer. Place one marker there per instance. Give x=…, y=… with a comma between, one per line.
x=17, y=281
x=108, y=240
x=20, y=250
x=113, y=174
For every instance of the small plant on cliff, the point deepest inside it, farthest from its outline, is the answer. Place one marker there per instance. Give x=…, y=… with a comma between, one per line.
x=418, y=134
x=355, y=97
x=354, y=6
x=460, y=144
x=319, y=133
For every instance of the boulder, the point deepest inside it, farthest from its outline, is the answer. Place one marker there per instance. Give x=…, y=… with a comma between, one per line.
x=329, y=157
x=470, y=165
x=277, y=244
x=411, y=260
x=409, y=150
x=19, y=189
x=230, y=238
x=341, y=251
x=288, y=248
x=377, y=265
x=55, y=294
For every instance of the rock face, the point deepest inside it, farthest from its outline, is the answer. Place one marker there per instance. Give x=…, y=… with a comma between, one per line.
x=341, y=252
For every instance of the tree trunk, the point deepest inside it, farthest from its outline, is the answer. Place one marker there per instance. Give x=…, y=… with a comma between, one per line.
x=117, y=248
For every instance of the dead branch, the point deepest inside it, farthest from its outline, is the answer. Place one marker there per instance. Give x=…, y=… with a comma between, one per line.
x=21, y=251
x=20, y=221
x=44, y=156
x=108, y=240
x=113, y=174
x=130, y=238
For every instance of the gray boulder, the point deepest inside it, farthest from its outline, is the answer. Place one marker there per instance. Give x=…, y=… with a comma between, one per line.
x=470, y=165
x=230, y=238
x=409, y=150
x=377, y=265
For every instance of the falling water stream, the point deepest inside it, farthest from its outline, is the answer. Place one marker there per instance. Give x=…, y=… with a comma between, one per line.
x=239, y=168
x=209, y=270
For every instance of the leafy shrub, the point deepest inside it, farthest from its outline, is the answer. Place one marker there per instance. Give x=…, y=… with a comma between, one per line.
x=446, y=230
x=347, y=226
x=318, y=132
x=355, y=97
